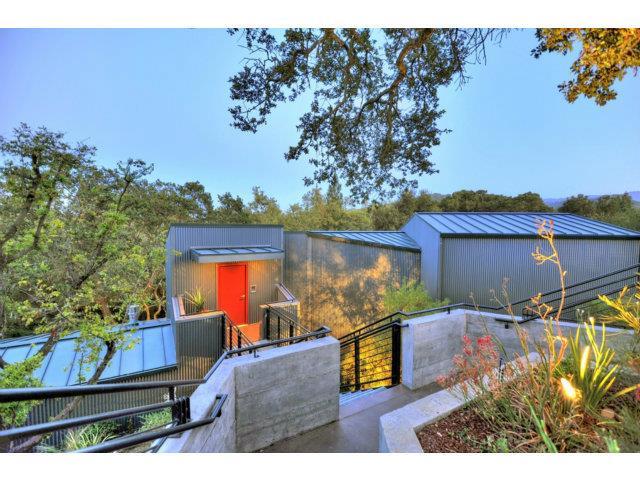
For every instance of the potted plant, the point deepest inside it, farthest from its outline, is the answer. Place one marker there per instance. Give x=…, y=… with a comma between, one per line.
x=196, y=299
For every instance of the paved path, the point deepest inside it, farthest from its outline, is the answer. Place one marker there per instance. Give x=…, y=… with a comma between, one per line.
x=357, y=428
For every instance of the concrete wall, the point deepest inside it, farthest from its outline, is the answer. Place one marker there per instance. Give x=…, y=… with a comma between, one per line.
x=428, y=346
x=430, y=343
x=283, y=392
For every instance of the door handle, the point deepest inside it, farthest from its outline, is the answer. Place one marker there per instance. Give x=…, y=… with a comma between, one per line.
x=242, y=297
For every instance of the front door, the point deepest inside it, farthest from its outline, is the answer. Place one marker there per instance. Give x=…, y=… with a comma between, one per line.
x=232, y=291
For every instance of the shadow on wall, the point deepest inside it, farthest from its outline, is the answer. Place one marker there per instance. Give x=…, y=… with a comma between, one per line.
x=347, y=287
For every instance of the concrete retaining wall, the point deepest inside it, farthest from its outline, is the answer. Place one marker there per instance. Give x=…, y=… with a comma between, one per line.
x=430, y=343
x=283, y=392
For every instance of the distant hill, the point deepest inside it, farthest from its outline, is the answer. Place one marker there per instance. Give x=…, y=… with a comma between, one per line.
x=556, y=202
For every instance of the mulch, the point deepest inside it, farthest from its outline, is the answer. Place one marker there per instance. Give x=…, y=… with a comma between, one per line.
x=463, y=431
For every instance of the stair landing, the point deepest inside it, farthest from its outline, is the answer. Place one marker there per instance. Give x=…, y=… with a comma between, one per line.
x=356, y=430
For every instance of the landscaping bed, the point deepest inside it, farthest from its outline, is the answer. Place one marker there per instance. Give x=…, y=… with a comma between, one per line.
x=467, y=431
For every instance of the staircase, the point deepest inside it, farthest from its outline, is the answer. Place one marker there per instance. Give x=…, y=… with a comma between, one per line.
x=370, y=355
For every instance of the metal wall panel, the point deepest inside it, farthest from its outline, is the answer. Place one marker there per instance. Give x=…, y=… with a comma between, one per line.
x=479, y=265
x=184, y=274
x=341, y=285
x=430, y=244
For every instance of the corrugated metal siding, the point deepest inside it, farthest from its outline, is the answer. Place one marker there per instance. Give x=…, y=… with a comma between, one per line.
x=295, y=265
x=341, y=285
x=480, y=264
x=184, y=274
x=429, y=241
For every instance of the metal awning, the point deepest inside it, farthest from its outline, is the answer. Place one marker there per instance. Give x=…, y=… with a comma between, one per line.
x=236, y=254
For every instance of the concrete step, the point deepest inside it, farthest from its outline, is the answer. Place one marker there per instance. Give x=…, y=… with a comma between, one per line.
x=349, y=397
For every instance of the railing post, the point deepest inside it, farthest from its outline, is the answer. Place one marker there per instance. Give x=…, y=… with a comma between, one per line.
x=278, y=337
x=239, y=338
x=267, y=323
x=396, y=339
x=223, y=331
x=230, y=335
x=356, y=362
x=291, y=330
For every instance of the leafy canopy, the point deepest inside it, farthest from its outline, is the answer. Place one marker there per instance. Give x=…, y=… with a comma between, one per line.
x=373, y=115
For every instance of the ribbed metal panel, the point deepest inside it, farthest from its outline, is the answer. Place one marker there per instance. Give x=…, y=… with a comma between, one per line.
x=520, y=224
x=184, y=274
x=480, y=264
x=378, y=238
x=429, y=241
x=199, y=346
x=341, y=285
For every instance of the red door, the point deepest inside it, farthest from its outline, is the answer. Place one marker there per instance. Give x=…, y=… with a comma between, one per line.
x=232, y=291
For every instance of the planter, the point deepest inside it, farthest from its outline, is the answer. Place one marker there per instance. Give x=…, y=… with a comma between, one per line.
x=398, y=429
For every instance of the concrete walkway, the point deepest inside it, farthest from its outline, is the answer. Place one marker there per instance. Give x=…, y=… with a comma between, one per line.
x=356, y=431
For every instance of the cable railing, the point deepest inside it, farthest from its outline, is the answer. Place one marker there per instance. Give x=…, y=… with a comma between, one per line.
x=180, y=406
x=281, y=322
x=370, y=355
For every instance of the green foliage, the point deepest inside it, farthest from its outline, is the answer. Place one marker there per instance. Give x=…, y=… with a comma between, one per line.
x=196, y=299
x=594, y=381
x=156, y=419
x=617, y=209
x=542, y=431
x=410, y=297
x=89, y=435
x=18, y=375
x=373, y=120
x=606, y=55
x=482, y=201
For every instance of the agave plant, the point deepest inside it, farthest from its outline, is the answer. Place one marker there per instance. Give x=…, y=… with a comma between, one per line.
x=592, y=365
x=196, y=299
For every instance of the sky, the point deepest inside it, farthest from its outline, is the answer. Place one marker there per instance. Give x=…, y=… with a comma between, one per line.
x=163, y=95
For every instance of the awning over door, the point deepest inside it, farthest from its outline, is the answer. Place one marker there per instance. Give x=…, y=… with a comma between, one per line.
x=236, y=254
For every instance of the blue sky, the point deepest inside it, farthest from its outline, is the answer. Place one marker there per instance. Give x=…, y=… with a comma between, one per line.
x=162, y=95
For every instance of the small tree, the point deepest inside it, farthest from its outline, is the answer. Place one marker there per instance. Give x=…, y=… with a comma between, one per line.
x=410, y=296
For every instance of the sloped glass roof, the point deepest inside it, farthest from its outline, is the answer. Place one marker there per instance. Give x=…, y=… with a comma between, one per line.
x=235, y=250
x=520, y=224
x=236, y=254
x=153, y=349
x=381, y=238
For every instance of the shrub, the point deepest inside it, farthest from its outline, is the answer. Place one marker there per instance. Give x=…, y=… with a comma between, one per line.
x=157, y=419
x=18, y=375
x=410, y=297
x=89, y=435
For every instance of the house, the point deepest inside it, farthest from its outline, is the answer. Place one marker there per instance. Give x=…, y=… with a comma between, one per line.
x=473, y=253
x=236, y=268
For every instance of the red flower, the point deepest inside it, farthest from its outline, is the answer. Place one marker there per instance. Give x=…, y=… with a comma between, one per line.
x=638, y=393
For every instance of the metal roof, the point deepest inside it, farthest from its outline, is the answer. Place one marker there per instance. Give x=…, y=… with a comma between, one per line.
x=379, y=238
x=525, y=224
x=236, y=254
x=153, y=349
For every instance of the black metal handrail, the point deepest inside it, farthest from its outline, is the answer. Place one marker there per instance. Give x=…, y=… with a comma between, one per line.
x=180, y=406
x=231, y=333
x=286, y=324
x=150, y=435
x=385, y=355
